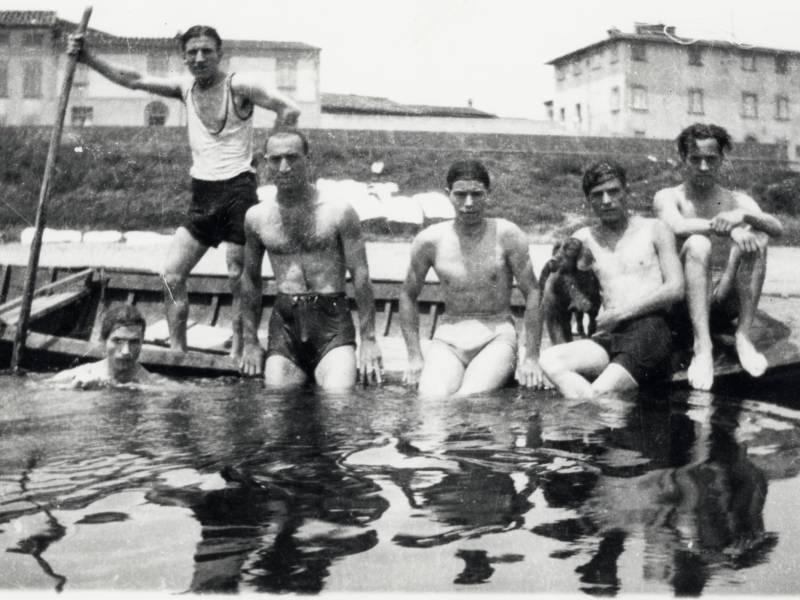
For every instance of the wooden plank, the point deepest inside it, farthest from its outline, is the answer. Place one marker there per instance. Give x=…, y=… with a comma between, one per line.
x=44, y=305
x=214, y=311
x=5, y=279
x=49, y=288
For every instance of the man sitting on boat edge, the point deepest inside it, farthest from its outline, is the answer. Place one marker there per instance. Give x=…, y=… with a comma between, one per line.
x=476, y=258
x=122, y=333
x=640, y=277
x=724, y=236
x=312, y=240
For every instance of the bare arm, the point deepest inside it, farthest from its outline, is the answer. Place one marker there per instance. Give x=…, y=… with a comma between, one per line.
x=251, y=286
x=529, y=372
x=124, y=76
x=252, y=87
x=422, y=253
x=751, y=214
x=355, y=258
x=665, y=205
x=671, y=289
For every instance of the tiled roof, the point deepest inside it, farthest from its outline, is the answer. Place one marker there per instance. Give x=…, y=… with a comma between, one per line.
x=375, y=105
x=667, y=36
x=28, y=18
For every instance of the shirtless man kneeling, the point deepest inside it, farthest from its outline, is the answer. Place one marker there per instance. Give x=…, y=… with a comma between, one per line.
x=474, y=348
x=640, y=277
x=310, y=240
x=724, y=237
x=122, y=332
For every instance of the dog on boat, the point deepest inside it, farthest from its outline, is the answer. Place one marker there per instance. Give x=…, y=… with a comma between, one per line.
x=569, y=291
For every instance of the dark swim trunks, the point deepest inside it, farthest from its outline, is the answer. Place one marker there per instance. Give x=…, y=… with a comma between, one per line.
x=216, y=213
x=642, y=346
x=305, y=327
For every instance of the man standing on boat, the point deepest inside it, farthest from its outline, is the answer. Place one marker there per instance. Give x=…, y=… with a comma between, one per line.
x=640, y=277
x=219, y=108
x=312, y=240
x=724, y=236
x=476, y=258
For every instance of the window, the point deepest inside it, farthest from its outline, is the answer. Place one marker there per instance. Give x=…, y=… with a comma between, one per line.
x=781, y=108
x=576, y=67
x=32, y=80
x=749, y=105
x=32, y=39
x=695, y=56
x=781, y=64
x=155, y=114
x=615, y=100
x=748, y=61
x=696, y=101
x=638, y=97
x=287, y=74
x=3, y=79
x=578, y=113
x=597, y=60
x=639, y=52
x=613, y=52
x=4, y=38
x=560, y=73
x=562, y=114
x=157, y=64
x=82, y=116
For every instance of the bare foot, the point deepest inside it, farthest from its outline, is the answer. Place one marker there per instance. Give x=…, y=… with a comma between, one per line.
x=701, y=371
x=751, y=359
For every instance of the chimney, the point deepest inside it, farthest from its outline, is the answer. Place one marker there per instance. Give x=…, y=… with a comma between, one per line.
x=653, y=29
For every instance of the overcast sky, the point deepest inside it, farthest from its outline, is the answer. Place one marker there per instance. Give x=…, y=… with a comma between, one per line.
x=440, y=51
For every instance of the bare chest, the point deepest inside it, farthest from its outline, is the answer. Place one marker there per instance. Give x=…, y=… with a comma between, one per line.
x=300, y=234
x=471, y=265
x=210, y=106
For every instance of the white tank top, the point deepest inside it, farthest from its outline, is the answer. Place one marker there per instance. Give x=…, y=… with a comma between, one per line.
x=223, y=154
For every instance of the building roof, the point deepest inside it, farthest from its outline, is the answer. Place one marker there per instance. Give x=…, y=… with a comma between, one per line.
x=665, y=34
x=375, y=105
x=49, y=19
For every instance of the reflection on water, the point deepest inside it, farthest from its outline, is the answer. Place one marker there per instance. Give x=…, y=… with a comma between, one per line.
x=224, y=487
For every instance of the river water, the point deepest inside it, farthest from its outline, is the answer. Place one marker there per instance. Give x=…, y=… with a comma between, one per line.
x=221, y=486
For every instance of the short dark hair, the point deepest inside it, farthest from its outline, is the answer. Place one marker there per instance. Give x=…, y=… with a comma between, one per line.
x=703, y=131
x=198, y=31
x=286, y=131
x=123, y=315
x=600, y=172
x=467, y=169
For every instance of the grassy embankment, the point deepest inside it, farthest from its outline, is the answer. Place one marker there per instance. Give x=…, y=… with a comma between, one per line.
x=133, y=184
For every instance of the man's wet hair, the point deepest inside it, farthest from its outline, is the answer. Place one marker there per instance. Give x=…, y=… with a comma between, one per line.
x=467, y=169
x=286, y=131
x=703, y=131
x=600, y=172
x=123, y=315
x=199, y=31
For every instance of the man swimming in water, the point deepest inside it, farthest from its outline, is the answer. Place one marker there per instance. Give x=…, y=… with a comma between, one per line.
x=476, y=258
x=640, y=277
x=312, y=239
x=122, y=332
x=724, y=236
x=219, y=112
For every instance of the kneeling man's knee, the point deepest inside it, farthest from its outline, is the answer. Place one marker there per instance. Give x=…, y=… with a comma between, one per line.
x=550, y=362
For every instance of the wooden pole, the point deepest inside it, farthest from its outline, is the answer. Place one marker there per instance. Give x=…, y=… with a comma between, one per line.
x=41, y=210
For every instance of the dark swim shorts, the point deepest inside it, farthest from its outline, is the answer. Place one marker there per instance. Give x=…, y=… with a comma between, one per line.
x=305, y=327
x=642, y=346
x=216, y=213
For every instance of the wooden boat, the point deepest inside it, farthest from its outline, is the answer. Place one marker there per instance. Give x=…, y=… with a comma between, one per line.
x=68, y=305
